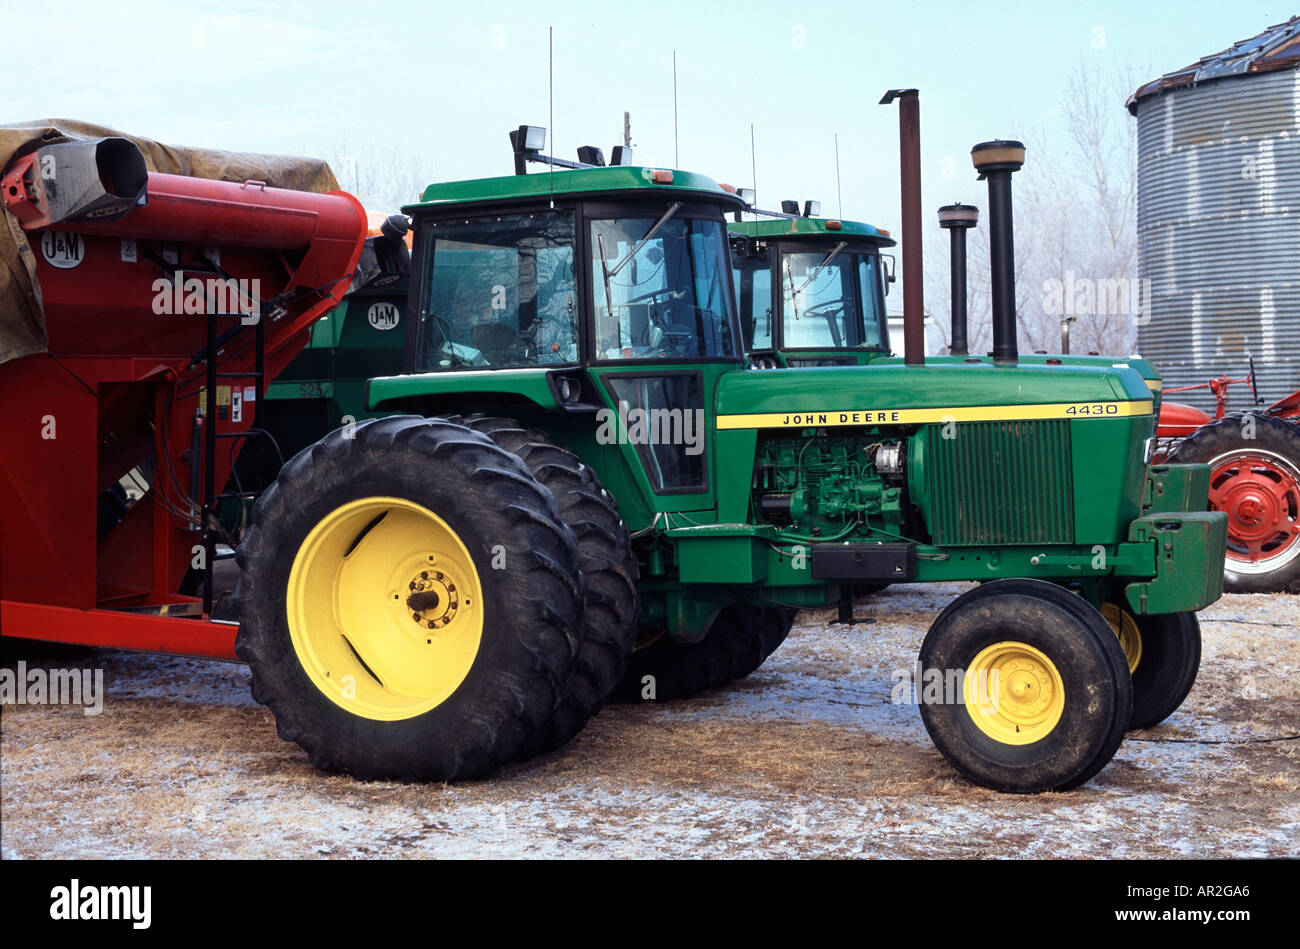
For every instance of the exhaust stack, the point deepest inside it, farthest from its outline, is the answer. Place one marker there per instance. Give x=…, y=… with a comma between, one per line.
x=909, y=146
x=998, y=161
x=957, y=219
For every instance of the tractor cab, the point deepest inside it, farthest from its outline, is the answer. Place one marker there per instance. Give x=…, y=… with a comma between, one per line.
x=811, y=291
x=577, y=288
x=616, y=266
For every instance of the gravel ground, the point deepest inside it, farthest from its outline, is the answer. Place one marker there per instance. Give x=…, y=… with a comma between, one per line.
x=807, y=757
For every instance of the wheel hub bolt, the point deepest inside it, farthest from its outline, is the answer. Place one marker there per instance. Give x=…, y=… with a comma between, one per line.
x=421, y=601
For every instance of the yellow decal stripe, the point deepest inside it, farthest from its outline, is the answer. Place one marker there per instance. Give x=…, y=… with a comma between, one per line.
x=972, y=413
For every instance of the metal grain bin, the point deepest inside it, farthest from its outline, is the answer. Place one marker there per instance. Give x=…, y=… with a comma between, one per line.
x=1219, y=217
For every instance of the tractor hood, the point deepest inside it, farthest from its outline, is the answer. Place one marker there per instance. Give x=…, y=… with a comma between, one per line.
x=898, y=394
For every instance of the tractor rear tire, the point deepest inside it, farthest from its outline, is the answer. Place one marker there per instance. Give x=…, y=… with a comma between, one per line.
x=607, y=562
x=1256, y=481
x=738, y=642
x=410, y=602
x=1163, y=651
x=1063, y=694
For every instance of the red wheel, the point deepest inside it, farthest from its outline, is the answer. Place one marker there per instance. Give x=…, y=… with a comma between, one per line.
x=1260, y=492
x=1256, y=482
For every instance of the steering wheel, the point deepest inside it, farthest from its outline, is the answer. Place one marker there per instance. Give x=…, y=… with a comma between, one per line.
x=665, y=291
x=435, y=352
x=842, y=302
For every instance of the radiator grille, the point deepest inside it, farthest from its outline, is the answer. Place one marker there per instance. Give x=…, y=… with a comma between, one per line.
x=1002, y=483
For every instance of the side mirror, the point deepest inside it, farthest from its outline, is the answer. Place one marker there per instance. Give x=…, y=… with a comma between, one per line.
x=887, y=271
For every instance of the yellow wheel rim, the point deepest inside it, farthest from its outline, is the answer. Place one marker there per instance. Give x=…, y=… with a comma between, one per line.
x=1014, y=693
x=385, y=608
x=1126, y=628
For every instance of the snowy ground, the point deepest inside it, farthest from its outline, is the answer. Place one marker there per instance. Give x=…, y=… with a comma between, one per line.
x=807, y=757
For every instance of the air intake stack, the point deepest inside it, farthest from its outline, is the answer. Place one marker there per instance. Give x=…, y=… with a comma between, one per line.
x=957, y=219
x=998, y=161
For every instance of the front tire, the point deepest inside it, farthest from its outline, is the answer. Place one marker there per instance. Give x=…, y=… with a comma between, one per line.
x=1062, y=698
x=409, y=601
x=1163, y=651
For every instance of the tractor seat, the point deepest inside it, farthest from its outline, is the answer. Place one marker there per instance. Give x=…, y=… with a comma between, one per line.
x=496, y=341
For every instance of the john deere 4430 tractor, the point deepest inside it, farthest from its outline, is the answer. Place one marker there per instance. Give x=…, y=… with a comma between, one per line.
x=576, y=485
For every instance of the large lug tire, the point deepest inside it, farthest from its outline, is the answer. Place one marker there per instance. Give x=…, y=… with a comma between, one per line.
x=769, y=630
x=1164, y=656
x=738, y=642
x=410, y=602
x=1063, y=694
x=607, y=561
x=1256, y=481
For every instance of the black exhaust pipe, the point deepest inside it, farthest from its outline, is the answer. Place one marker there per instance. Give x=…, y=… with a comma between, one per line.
x=998, y=161
x=909, y=161
x=957, y=219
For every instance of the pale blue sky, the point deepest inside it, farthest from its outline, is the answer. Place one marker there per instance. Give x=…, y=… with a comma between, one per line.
x=447, y=80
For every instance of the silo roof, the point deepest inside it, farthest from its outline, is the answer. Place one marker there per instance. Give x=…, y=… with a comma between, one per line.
x=1276, y=48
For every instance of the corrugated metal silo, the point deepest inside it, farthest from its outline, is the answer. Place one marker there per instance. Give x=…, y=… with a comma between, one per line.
x=1219, y=217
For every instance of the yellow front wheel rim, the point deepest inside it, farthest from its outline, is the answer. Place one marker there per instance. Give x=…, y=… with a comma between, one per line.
x=1014, y=693
x=1126, y=628
x=385, y=608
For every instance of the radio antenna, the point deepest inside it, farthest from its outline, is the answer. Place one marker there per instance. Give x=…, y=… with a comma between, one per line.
x=753, y=164
x=839, y=197
x=677, y=161
x=550, y=101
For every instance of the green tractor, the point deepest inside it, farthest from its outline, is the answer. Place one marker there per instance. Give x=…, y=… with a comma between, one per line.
x=576, y=486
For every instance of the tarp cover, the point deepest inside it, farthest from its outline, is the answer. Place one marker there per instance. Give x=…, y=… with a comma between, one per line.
x=22, y=322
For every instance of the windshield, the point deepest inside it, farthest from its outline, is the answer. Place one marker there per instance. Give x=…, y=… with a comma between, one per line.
x=661, y=288
x=500, y=293
x=831, y=299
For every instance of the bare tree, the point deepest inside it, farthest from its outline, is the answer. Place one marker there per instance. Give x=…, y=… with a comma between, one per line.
x=383, y=179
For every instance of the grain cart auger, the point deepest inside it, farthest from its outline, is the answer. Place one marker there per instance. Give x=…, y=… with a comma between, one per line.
x=572, y=355
x=164, y=302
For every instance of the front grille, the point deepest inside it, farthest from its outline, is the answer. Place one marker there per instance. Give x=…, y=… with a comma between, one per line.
x=1001, y=483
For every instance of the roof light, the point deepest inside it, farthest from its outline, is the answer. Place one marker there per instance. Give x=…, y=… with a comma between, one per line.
x=529, y=138
x=622, y=155
x=747, y=195
x=661, y=176
x=882, y=232
x=812, y=209
x=591, y=155
x=834, y=226
x=790, y=207
x=730, y=189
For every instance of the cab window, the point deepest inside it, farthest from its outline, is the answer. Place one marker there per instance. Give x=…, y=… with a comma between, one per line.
x=660, y=288
x=500, y=293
